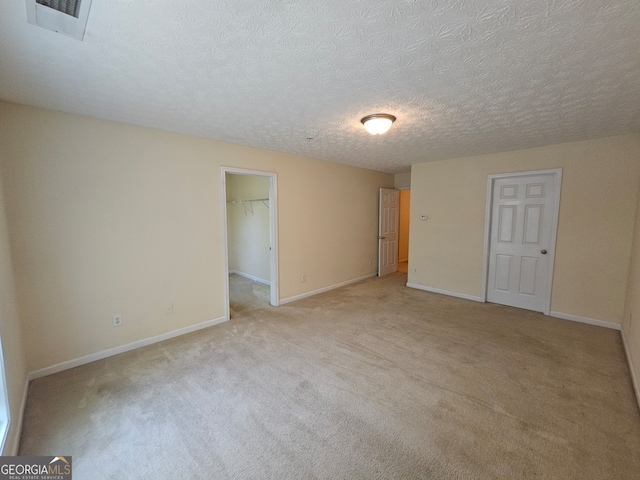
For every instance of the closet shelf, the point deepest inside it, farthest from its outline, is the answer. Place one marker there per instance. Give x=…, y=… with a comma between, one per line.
x=248, y=204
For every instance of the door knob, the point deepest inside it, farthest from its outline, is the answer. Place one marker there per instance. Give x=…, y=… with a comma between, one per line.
x=544, y=252
x=381, y=238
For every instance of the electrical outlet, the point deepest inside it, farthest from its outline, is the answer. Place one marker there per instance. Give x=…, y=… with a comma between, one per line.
x=304, y=277
x=369, y=262
x=169, y=309
x=415, y=270
x=117, y=320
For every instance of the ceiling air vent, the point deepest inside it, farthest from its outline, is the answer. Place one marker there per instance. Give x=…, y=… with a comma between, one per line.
x=68, y=17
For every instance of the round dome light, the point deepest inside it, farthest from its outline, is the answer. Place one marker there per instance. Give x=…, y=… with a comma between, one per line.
x=378, y=123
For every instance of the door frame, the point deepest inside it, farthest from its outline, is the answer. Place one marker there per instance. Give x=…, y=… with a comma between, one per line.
x=274, y=286
x=557, y=177
x=380, y=222
x=401, y=189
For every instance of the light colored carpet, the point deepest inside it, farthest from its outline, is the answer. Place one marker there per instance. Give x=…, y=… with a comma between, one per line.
x=371, y=381
x=246, y=294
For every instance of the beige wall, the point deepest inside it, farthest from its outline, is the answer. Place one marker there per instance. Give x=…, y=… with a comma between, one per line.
x=597, y=211
x=11, y=336
x=109, y=218
x=402, y=180
x=248, y=226
x=631, y=322
x=403, y=227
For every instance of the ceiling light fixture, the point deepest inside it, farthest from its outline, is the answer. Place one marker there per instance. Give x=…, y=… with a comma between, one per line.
x=378, y=123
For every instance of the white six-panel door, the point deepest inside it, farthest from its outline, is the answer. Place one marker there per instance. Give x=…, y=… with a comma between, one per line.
x=388, y=231
x=522, y=239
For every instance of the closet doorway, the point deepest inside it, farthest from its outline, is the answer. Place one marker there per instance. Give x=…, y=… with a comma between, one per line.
x=403, y=230
x=250, y=236
x=393, y=230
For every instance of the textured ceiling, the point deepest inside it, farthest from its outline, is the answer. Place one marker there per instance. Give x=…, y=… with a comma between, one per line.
x=464, y=77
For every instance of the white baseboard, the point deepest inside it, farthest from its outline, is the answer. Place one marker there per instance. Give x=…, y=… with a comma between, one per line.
x=15, y=444
x=325, y=289
x=250, y=277
x=634, y=378
x=14, y=429
x=122, y=349
x=563, y=316
x=444, y=292
x=590, y=321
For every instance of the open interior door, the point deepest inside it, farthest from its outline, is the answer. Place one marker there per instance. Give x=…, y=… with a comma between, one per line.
x=388, y=231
